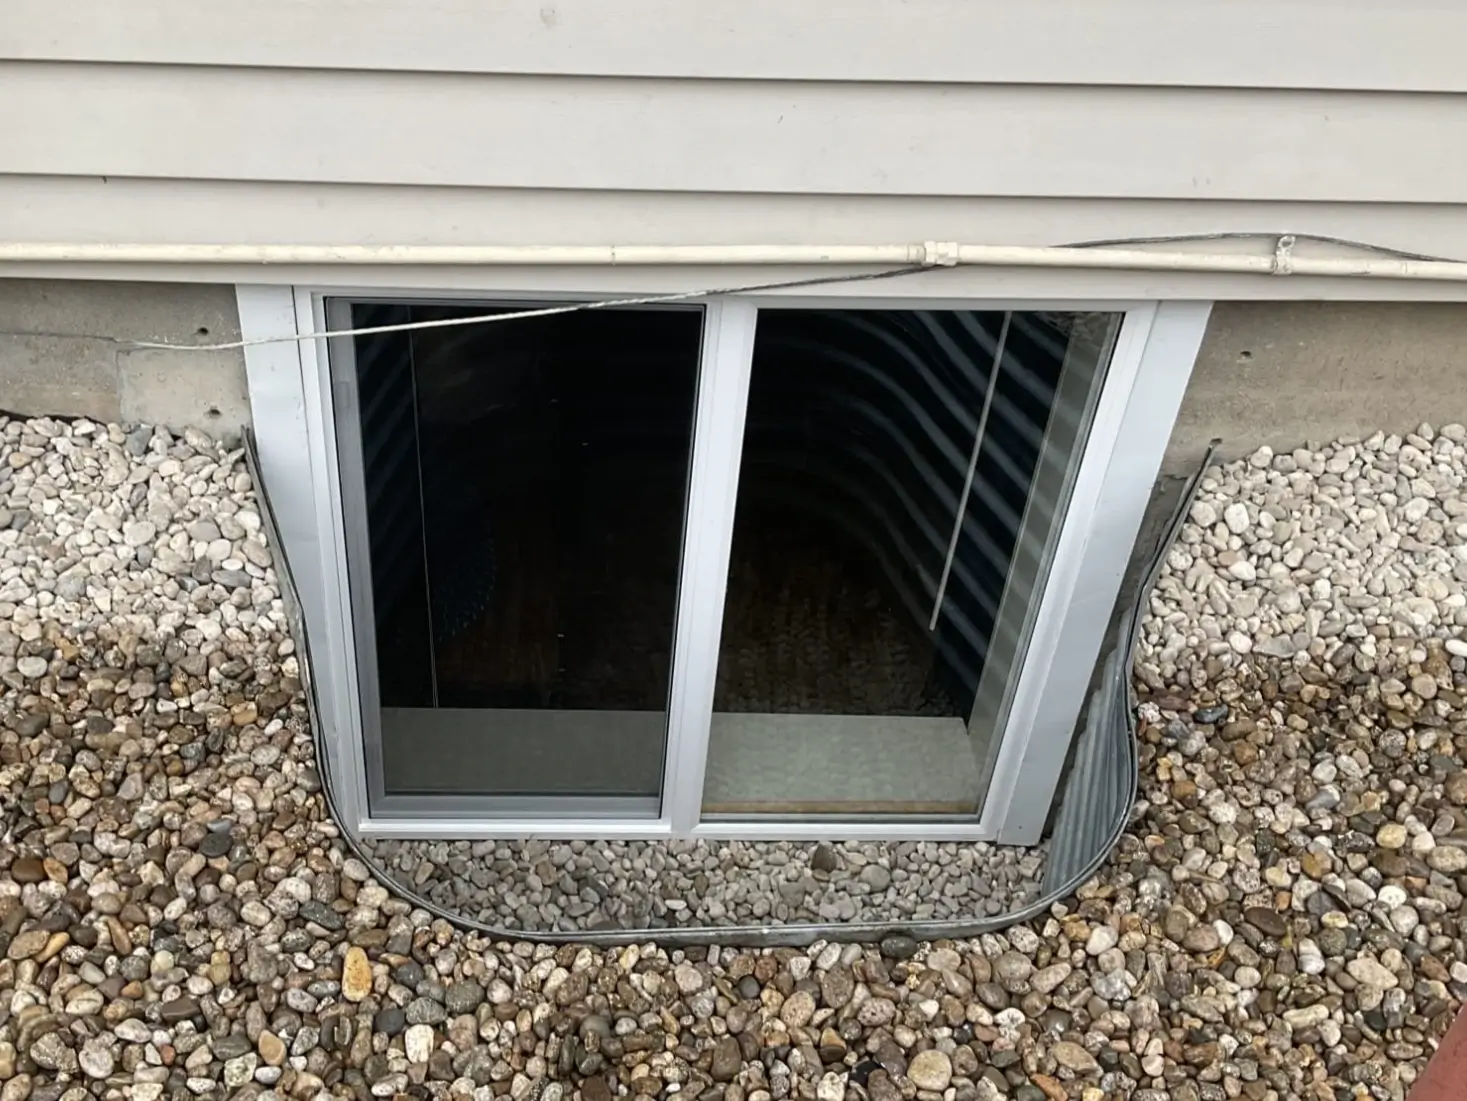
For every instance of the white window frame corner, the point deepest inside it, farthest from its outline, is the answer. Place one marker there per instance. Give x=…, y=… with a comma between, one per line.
x=294, y=431
x=1145, y=382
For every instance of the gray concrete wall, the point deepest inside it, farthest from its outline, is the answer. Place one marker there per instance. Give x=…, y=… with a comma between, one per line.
x=64, y=350
x=1276, y=373
x=1288, y=373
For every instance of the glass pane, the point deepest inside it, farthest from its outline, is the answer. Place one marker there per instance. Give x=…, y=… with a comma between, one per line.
x=1085, y=341
x=525, y=488
x=896, y=488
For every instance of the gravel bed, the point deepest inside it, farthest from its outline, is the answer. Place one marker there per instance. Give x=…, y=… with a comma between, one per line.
x=656, y=885
x=179, y=919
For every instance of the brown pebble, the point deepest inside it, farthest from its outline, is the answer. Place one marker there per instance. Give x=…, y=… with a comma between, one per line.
x=121, y=942
x=1314, y=864
x=28, y=869
x=272, y=1049
x=57, y=942
x=133, y=914
x=1269, y=922
x=356, y=975
x=1455, y=788
x=28, y=945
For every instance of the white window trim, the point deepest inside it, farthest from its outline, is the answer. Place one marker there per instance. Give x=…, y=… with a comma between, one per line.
x=292, y=413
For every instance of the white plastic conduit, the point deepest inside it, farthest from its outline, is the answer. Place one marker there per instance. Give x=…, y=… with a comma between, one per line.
x=928, y=254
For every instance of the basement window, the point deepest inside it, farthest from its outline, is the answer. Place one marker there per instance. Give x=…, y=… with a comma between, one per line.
x=896, y=486
x=524, y=487
x=710, y=568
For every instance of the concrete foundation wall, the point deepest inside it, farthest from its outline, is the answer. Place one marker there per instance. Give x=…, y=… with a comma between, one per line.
x=64, y=350
x=1276, y=373
x=1287, y=373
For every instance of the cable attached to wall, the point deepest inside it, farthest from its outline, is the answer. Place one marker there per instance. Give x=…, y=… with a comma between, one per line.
x=935, y=256
x=489, y=318
x=1251, y=235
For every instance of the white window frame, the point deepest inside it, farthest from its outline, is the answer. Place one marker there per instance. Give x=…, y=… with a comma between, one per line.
x=293, y=414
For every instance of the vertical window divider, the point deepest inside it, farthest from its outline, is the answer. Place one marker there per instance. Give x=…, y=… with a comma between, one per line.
x=726, y=363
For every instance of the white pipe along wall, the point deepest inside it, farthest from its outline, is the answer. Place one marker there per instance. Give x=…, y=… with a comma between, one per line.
x=932, y=254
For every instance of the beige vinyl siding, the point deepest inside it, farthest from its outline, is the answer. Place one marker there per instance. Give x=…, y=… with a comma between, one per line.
x=732, y=136
x=1404, y=45
x=125, y=210
x=738, y=121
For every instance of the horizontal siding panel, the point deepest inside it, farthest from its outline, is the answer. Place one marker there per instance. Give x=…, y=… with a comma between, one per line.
x=146, y=211
x=725, y=136
x=1408, y=45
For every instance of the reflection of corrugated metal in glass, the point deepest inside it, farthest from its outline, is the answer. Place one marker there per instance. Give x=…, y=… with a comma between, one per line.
x=898, y=396
x=876, y=436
